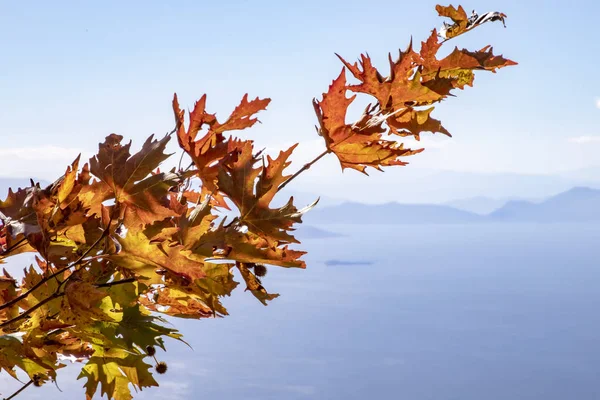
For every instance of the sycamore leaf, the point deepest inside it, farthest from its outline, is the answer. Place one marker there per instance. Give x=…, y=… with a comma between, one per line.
x=413, y=122
x=177, y=267
x=80, y=305
x=252, y=189
x=68, y=183
x=403, y=87
x=125, y=178
x=46, y=290
x=142, y=257
x=229, y=243
x=113, y=371
x=177, y=303
x=207, y=151
x=15, y=354
x=458, y=17
x=461, y=23
x=254, y=285
x=19, y=220
x=458, y=67
x=139, y=327
x=8, y=291
x=359, y=145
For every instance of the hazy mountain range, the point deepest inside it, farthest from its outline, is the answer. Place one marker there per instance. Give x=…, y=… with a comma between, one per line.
x=421, y=186
x=579, y=204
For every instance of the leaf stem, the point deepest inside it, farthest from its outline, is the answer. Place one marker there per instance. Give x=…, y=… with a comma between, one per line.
x=304, y=168
x=25, y=386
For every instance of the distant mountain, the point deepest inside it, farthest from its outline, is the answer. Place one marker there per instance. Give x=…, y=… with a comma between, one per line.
x=576, y=205
x=479, y=205
x=483, y=205
x=311, y=232
x=390, y=213
x=406, y=185
x=507, y=186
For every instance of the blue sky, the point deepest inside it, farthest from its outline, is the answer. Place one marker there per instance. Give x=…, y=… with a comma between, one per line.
x=72, y=72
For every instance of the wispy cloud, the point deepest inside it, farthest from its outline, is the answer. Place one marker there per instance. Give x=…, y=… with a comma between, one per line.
x=585, y=139
x=598, y=102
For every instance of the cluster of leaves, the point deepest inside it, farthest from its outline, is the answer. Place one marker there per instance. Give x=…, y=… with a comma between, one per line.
x=119, y=244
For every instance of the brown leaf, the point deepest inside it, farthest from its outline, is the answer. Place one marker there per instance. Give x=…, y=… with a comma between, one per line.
x=458, y=16
x=359, y=145
x=254, y=285
x=252, y=190
x=127, y=178
x=401, y=88
x=413, y=122
x=208, y=151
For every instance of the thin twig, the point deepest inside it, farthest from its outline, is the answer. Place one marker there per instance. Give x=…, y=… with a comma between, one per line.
x=25, y=386
x=177, y=125
x=304, y=168
x=180, y=160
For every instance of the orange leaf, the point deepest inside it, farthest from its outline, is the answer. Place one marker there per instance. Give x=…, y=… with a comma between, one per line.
x=252, y=189
x=359, y=145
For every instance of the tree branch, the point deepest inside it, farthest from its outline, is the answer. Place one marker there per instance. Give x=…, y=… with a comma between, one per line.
x=25, y=386
x=304, y=168
x=13, y=247
x=113, y=283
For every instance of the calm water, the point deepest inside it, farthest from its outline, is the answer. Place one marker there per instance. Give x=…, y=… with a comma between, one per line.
x=490, y=312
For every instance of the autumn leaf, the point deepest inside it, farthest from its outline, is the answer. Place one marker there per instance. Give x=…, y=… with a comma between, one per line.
x=207, y=151
x=254, y=285
x=80, y=304
x=19, y=220
x=459, y=18
x=402, y=88
x=172, y=264
x=8, y=292
x=459, y=66
x=413, y=122
x=252, y=189
x=142, y=257
x=359, y=145
x=126, y=178
x=232, y=243
x=113, y=371
x=462, y=23
x=177, y=303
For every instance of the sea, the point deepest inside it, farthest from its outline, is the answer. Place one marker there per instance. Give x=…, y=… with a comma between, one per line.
x=415, y=312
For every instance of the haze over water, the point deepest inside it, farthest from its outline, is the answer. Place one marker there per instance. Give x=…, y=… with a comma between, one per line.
x=445, y=312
